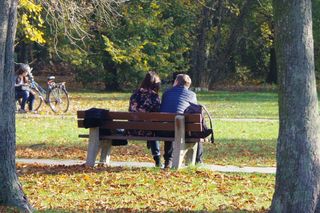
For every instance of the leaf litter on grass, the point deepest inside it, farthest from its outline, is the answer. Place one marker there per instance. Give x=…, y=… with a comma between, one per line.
x=101, y=189
x=134, y=153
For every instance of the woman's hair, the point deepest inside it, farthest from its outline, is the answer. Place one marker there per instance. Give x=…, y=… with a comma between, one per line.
x=151, y=81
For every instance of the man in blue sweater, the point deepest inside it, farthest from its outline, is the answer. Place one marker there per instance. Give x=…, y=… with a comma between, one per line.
x=176, y=100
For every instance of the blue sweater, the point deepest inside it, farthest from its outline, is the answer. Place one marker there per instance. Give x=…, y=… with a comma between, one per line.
x=176, y=99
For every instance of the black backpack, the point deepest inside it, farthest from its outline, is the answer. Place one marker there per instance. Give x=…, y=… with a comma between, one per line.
x=200, y=109
x=94, y=117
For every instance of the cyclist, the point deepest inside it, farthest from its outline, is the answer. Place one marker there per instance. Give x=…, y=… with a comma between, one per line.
x=22, y=88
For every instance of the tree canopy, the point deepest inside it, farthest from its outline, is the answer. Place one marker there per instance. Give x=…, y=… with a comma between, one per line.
x=214, y=41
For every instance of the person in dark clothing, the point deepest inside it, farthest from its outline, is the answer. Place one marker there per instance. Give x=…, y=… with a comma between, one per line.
x=176, y=100
x=146, y=99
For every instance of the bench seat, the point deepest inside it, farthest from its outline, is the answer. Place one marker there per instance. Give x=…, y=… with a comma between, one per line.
x=178, y=124
x=143, y=138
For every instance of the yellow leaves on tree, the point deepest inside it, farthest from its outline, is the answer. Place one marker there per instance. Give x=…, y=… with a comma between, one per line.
x=30, y=6
x=266, y=34
x=31, y=21
x=133, y=55
x=154, y=5
x=118, y=55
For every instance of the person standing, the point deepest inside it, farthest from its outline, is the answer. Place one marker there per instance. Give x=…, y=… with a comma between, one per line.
x=176, y=100
x=146, y=99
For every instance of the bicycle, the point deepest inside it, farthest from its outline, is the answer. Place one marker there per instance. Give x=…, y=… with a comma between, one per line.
x=56, y=95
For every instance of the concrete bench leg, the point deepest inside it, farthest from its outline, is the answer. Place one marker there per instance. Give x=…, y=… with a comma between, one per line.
x=179, y=142
x=105, y=152
x=93, y=146
x=191, y=153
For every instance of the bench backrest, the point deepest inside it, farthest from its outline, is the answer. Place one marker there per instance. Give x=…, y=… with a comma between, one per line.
x=155, y=121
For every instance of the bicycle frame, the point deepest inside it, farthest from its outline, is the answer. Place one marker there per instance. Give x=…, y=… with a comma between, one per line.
x=45, y=94
x=42, y=92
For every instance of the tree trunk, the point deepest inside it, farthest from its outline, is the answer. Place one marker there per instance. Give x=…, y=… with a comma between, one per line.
x=298, y=166
x=23, y=51
x=220, y=58
x=11, y=193
x=111, y=80
x=272, y=77
x=200, y=53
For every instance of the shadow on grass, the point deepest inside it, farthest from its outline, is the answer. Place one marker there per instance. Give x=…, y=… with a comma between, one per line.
x=239, y=145
x=82, y=145
x=27, y=169
x=238, y=152
x=241, y=152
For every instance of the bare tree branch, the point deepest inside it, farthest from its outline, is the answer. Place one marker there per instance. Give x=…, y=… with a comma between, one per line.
x=73, y=17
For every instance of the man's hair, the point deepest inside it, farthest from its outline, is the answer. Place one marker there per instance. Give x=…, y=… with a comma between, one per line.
x=174, y=76
x=183, y=80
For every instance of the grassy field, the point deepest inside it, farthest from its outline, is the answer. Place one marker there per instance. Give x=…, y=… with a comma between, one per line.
x=241, y=104
x=239, y=142
x=220, y=104
x=245, y=131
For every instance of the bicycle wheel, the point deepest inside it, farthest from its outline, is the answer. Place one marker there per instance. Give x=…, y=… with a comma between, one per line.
x=37, y=100
x=58, y=100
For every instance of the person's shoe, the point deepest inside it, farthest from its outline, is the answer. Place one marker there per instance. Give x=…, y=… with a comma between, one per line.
x=21, y=111
x=167, y=164
x=199, y=163
x=157, y=161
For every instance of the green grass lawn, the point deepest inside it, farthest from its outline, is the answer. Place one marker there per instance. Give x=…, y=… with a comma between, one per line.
x=238, y=142
x=241, y=142
x=240, y=104
x=220, y=104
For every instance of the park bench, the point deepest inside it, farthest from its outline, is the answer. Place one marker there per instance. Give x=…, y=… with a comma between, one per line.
x=179, y=124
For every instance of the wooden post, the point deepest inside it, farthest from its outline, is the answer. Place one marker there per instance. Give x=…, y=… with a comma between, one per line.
x=179, y=141
x=93, y=146
x=191, y=153
x=105, y=152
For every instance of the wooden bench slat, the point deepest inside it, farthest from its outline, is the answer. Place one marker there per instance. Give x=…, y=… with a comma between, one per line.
x=140, y=138
x=145, y=116
x=145, y=125
x=175, y=125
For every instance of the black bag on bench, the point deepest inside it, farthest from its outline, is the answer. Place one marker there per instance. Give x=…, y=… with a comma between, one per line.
x=95, y=117
x=200, y=109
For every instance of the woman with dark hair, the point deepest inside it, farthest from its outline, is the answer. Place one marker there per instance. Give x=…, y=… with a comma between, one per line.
x=146, y=99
